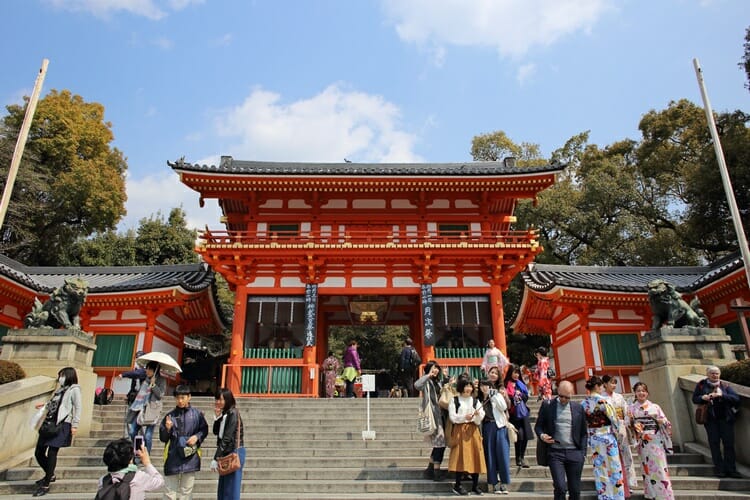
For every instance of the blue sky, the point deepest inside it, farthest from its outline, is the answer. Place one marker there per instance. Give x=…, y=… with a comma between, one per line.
x=367, y=80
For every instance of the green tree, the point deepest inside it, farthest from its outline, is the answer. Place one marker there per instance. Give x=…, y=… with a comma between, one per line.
x=71, y=182
x=156, y=241
x=495, y=146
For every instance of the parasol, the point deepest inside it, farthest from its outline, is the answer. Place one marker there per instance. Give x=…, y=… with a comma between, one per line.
x=168, y=365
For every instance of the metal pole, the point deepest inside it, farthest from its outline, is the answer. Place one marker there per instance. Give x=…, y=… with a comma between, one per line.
x=741, y=239
x=21, y=142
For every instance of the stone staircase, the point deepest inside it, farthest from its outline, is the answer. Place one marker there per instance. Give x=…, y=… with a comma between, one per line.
x=313, y=449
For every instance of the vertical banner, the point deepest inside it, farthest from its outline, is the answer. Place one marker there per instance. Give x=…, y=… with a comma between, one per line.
x=427, y=323
x=311, y=313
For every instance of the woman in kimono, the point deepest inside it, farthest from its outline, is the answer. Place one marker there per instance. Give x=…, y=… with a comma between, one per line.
x=430, y=384
x=542, y=367
x=652, y=431
x=624, y=438
x=494, y=357
x=331, y=367
x=352, y=368
x=602, y=428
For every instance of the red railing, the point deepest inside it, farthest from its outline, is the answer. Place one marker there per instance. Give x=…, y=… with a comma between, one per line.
x=351, y=238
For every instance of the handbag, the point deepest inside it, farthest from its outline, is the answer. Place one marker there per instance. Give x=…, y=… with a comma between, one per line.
x=512, y=433
x=542, y=453
x=446, y=394
x=231, y=463
x=150, y=413
x=701, y=414
x=49, y=428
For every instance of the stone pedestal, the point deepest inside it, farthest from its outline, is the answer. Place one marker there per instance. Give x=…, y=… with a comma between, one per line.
x=45, y=351
x=669, y=353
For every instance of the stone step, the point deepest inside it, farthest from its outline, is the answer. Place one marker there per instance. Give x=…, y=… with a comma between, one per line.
x=350, y=473
x=541, y=487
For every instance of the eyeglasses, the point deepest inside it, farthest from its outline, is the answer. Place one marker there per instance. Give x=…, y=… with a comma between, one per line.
x=563, y=397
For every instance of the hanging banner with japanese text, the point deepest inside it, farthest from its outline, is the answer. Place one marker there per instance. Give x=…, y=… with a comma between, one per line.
x=427, y=323
x=311, y=313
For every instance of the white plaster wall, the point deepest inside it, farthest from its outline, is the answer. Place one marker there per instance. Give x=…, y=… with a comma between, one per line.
x=629, y=314
x=566, y=323
x=368, y=204
x=602, y=314
x=451, y=281
x=595, y=348
x=333, y=283
x=570, y=356
x=404, y=282
x=108, y=315
x=133, y=314
x=402, y=204
x=369, y=282
x=466, y=204
x=263, y=282
x=291, y=282
x=474, y=281
x=440, y=204
x=335, y=204
x=298, y=204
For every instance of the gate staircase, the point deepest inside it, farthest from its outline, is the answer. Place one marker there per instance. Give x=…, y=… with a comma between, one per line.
x=313, y=449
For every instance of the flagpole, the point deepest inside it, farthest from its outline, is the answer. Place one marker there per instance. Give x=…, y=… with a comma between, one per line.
x=21, y=142
x=728, y=190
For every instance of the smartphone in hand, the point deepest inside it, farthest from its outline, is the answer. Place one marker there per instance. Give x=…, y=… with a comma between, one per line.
x=137, y=445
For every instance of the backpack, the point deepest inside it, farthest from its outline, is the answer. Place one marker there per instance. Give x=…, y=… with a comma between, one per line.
x=103, y=396
x=115, y=491
x=414, y=358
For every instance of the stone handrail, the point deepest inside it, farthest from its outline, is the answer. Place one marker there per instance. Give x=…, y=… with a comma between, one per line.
x=687, y=384
x=17, y=405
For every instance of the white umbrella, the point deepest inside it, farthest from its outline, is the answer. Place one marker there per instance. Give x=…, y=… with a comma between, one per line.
x=168, y=365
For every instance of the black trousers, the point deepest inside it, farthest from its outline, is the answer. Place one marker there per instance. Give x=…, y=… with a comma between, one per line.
x=46, y=457
x=566, y=467
x=720, y=432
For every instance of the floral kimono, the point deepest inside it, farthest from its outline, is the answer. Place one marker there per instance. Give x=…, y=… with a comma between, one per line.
x=624, y=438
x=331, y=366
x=545, y=384
x=654, y=444
x=603, y=427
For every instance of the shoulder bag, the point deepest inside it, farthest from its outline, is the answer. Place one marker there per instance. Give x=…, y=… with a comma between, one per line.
x=512, y=431
x=446, y=394
x=425, y=418
x=150, y=413
x=231, y=463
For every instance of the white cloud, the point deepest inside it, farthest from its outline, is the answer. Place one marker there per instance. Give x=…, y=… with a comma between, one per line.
x=151, y=194
x=223, y=41
x=163, y=43
x=525, y=72
x=331, y=126
x=150, y=9
x=512, y=27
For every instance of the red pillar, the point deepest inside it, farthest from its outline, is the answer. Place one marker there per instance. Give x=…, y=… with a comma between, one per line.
x=148, y=336
x=236, y=354
x=498, y=317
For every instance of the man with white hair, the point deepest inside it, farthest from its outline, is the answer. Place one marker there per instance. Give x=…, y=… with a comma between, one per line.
x=723, y=403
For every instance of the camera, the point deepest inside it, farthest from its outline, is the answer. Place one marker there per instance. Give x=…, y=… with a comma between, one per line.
x=138, y=444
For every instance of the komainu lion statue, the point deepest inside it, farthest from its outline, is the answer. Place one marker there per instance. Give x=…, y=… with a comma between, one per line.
x=669, y=308
x=61, y=309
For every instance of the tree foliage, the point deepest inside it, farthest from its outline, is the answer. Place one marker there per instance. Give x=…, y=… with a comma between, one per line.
x=71, y=182
x=745, y=62
x=156, y=241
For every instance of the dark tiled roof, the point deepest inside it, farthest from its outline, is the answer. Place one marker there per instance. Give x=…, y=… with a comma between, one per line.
x=191, y=277
x=228, y=165
x=544, y=277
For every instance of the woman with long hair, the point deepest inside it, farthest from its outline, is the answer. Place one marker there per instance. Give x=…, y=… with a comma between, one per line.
x=227, y=427
x=495, y=440
x=59, y=426
x=467, y=455
x=602, y=429
x=542, y=370
x=518, y=394
x=652, y=430
x=430, y=384
x=624, y=436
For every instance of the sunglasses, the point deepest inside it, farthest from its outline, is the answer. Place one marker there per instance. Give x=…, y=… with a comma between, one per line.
x=563, y=397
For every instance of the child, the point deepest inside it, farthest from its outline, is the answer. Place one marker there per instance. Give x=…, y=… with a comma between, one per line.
x=184, y=429
x=123, y=474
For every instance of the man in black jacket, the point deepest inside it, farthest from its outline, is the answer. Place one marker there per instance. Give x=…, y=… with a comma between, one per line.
x=408, y=364
x=561, y=424
x=722, y=403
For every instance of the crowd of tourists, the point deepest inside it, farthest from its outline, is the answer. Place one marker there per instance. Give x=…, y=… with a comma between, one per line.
x=480, y=420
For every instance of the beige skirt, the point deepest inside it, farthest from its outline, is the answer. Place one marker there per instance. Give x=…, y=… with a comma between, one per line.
x=467, y=455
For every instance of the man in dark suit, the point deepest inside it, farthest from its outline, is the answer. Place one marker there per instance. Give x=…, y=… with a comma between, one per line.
x=562, y=425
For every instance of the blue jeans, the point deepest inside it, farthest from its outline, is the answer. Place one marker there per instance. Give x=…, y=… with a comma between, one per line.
x=496, y=452
x=230, y=486
x=148, y=433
